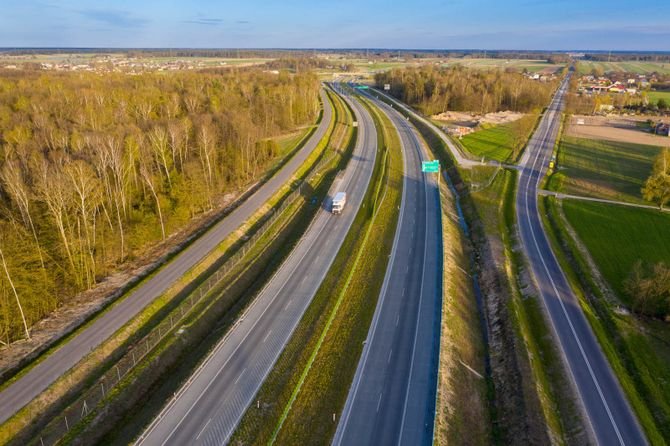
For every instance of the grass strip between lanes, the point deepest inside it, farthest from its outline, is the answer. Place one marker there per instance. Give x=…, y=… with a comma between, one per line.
x=336, y=355
x=461, y=394
x=322, y=356
x=559, y=408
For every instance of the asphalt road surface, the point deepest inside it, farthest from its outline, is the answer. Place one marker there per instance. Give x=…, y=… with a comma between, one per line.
x=207, y=409
x=607, y=411
x=59, y=362
x=392, y=397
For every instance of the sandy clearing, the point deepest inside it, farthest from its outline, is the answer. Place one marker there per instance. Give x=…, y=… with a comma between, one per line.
x=473, y=119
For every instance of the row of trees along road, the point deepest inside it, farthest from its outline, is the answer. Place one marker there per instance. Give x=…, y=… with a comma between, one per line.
x=95, y=169
x=434, y=90
x=649, y=285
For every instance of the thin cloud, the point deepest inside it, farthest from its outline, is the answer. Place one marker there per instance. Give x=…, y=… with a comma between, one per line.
x=115, y=18
x=205, y=21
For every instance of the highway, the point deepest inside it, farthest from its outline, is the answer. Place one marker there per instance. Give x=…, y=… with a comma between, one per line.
x=392, y=397
x=22, y=391
x=603, y=401
x=208, y=407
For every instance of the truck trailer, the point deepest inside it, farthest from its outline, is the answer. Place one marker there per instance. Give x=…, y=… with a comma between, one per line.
x=339, y=200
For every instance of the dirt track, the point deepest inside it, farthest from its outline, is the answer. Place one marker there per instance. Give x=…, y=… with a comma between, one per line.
x=621, y=129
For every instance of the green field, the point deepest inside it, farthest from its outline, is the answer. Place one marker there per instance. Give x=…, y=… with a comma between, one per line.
x=654, y=96
x=369, y=66
x=617, y=236
x=500, y=142
x=585, y=67
x=637, y=347
x=603, y=169
x=519, y=64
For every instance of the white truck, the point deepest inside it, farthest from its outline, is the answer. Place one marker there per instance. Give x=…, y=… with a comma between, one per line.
x=339, y=200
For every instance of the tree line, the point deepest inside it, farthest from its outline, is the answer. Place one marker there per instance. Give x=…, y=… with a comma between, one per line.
x=649, y=285
x=300, y=64
x=95, y=169
x=434, y=90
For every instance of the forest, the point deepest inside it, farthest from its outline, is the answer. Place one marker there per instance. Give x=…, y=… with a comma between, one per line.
x=94, y=169
x=434, y=90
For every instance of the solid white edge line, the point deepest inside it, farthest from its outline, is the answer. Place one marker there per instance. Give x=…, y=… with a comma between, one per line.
x=543, y=141
x=426, y=186
x=353, y=390
x=193, y=377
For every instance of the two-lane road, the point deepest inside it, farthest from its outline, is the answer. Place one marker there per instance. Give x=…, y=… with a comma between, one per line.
x=23, y=390
x=607, y=411
x=209, y=406
x=392, y=398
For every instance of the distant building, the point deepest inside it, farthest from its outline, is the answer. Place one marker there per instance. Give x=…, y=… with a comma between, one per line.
x=617, y=87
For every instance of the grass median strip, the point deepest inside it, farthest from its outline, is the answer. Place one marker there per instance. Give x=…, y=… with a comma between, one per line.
x=462, y=385
x=323, y=353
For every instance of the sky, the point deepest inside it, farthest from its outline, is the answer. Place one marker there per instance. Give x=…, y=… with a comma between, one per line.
x=417, y=24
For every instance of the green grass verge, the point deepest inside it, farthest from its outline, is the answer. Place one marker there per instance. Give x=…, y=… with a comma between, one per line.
x=325, y=389
x=602, y=169
x=542, y=380
x=323, y=353
x=629, y=343
x=618, y=236
x=501, y=142
x=559, y=408
x=462, y=385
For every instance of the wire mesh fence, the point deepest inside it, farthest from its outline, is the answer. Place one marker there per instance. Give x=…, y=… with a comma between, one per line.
x=94, y=398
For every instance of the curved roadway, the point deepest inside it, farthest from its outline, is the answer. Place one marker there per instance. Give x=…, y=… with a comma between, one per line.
x=610, y=417
x=207, y=409
x=392, y=397
x=21, y=392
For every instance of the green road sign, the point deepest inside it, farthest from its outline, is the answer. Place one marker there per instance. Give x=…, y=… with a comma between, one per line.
x=362, y=87
x=430, y=166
